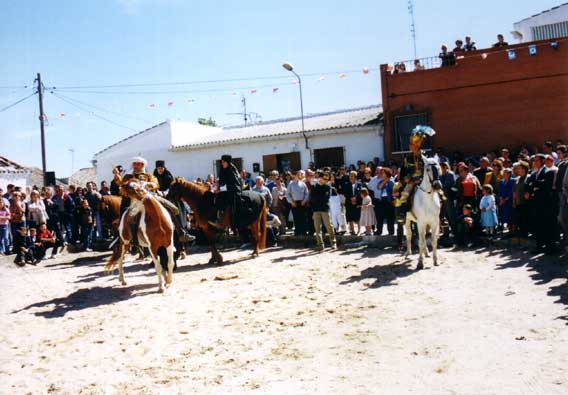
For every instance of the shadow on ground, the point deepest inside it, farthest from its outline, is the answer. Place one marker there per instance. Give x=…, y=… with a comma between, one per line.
x=86, y=298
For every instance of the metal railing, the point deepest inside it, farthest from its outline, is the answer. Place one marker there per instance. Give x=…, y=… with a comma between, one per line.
x=432, y=62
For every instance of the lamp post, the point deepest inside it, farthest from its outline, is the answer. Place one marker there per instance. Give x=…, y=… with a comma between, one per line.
x=290, y=68
x=72, y=160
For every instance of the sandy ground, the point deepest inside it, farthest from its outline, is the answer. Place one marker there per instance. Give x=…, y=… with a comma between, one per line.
x=358, y=321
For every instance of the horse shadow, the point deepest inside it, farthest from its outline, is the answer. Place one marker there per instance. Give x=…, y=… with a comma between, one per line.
x=293, y=257
x=81, y=261
x=140, y=266
x=204, y=266
x=86, y=298
x=383, y=275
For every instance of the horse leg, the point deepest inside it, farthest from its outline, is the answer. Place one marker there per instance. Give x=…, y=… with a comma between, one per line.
x=122, y=248
x=421, y=246
x=435, y=232
x=426, y=252
x=255, y=232
x=171, y=263
x=215, y=256
x=408, y=232
x=158, y=267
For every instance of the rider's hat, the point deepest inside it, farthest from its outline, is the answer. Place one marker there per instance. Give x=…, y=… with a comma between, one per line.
x=160, y=163
x=139, y=159
x=227, y=158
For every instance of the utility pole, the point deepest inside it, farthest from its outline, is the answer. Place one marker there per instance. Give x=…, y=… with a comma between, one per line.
x=72, y=160
x=41, y=125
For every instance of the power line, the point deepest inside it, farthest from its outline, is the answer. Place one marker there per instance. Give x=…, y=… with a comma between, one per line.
x=104, y=109
x=138, y=85
x=92, y=113
x=14, y=87
x=17, y=102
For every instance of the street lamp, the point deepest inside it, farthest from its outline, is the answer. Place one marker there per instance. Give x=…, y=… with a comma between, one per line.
x=290, y=68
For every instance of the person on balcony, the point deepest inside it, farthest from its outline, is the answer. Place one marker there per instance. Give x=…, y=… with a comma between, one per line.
x=448, y=58
x=459, y=47
x=500, y=42
x=418, y=65
x=469, y=45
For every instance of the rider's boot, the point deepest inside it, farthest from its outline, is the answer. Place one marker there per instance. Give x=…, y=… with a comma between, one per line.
x=218, y=224
x=401, y=213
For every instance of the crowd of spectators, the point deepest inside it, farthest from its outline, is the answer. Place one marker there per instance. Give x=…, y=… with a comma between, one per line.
x=518, y=194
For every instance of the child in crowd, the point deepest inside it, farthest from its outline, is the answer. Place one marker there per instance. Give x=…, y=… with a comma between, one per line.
x=337, y=209
x=23, y=247
x=4, y=227
x=488, y=210
x=368, y=219
x=87, y=222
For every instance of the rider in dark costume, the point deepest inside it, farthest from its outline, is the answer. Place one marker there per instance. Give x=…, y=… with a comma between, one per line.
x=230, y=188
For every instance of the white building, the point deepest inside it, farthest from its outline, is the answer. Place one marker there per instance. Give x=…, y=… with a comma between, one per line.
x=192, y=150
x=552, y=23
x=14, y=173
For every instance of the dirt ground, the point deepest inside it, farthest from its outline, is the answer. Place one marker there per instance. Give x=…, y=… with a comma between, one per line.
x=358, y=321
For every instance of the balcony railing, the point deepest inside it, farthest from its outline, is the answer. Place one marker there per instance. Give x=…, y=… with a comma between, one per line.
x=432, y=62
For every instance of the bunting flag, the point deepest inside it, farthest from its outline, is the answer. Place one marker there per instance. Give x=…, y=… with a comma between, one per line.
x=191, y=100
x=342, y=75
x=62, y=115
x=322, y=78
x=170, y=104
x=252, y=91
x=233, y=93
x=274, y=90
x=512, y=54
x=365, y=70
x=532, y=50
x=151, y=106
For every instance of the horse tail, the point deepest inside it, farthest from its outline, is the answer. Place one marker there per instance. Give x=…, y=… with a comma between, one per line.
x=262, y=226
x=163, y=255
x=116, y=255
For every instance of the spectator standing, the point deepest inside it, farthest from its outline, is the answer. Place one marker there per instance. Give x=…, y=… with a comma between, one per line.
x=4, y=228
x=488, y=210
x=447, y=58
x=54, y=219
x=94, y=199
x=105, y=190
x=36, y=210
x=271, y=183
x=337, y=212
x=279, y=203
x=319, y=202
x=418, y=65
x=298, y=195
x=521, y=209
x=18, y=212
x=484, y=168
x=352, y=193
x=468, y=187
x=367, y=218
x=264, y=191
x=448, y=180
x=385, y=202
x=500, y=42
x=87, y=223
x=495, y=176
x=375, y=193
x=561, y=176
x=505, y=198
x=248, y=183
x=544, y=210
x=469, y=45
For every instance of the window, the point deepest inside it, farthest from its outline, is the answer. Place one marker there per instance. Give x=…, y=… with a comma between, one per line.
x=282, y=162
x=403, y=125
x=332, y=157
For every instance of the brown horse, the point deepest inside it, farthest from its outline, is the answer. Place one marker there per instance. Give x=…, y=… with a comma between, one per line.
x=109, y=207
x=200, y=199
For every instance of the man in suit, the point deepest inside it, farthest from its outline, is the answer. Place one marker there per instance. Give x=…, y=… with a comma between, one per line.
x=352, y=193
x=561, y=176
x=545, y=225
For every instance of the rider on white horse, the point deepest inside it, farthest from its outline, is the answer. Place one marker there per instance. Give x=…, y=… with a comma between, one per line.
x=412, y=169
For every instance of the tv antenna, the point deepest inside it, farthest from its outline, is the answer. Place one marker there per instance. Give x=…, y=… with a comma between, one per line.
x=412, y=26
x=246, y=115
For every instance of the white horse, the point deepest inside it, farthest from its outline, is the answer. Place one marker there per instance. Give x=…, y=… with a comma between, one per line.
x=425, y=212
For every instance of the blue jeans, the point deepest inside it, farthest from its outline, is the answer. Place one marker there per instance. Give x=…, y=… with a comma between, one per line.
x=87, y=233
x=4, y=240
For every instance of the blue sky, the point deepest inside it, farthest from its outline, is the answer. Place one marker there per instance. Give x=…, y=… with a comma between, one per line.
x=108, y=42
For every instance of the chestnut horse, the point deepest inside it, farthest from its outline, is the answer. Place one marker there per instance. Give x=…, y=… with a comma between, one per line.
x=200, y=199
x=109, y=207
x=155, y=231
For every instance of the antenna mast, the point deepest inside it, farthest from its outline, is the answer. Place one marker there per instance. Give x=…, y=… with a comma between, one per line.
x=412, y=26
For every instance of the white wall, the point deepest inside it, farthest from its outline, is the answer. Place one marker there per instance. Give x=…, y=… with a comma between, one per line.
x=363, y=143
x=522, y=29
x=19, y=179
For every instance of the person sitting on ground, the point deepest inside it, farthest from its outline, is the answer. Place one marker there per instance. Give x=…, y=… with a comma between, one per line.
x=23, y=247
x=466, y=227
x=319, y=203
x=500, y=42
x=469, y=45
x=447, y=58
x=46, y=240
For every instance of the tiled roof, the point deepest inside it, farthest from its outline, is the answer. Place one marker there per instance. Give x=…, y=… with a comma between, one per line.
x=543, y=12
x=8, y=166
x=312, y=123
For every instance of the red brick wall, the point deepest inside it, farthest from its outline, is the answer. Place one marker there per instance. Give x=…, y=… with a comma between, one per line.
x=482, y=104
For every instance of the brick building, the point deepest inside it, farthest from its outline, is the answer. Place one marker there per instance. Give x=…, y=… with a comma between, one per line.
x=511, y=96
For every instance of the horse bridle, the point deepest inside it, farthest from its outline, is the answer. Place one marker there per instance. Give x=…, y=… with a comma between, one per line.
x=435, y=178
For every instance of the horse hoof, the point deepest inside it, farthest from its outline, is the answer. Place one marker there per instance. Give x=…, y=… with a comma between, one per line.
x=123, y=282
x=436, y=263
x=420, y=266
x=161, y=290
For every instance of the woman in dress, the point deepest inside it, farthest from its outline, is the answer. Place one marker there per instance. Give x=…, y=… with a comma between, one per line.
x=367, y=219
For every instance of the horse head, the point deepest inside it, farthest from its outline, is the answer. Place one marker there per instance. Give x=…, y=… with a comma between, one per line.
x=132, y=188
x=432, y=172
